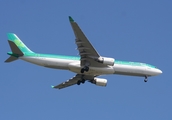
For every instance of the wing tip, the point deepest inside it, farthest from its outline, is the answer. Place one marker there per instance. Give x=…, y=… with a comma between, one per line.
x=71, y=19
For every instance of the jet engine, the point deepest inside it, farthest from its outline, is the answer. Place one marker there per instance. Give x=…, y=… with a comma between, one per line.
x=99, y=81
x=106, y=60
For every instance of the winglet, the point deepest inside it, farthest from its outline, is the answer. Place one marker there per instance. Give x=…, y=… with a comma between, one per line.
x=52, y=86
x=71, y=19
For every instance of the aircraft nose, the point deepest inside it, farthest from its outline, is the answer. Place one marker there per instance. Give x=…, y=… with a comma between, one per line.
x=159, y=71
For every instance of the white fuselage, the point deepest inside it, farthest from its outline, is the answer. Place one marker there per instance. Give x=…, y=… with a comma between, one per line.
x=74, y=66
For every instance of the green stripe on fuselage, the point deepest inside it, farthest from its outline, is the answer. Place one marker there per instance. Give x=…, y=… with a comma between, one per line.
x=78, y=58
x=51, y=56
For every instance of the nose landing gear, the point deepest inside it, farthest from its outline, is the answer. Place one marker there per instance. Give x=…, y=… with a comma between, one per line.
x=146, y=79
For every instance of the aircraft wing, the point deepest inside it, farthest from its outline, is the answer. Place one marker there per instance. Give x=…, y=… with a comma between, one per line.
x=73, y=81
x=86, y=51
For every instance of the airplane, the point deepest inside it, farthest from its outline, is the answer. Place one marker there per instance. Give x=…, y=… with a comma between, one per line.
x=87, y=67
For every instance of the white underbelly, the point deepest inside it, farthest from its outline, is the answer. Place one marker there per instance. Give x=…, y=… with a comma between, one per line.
x=75, y=67
x=48, y=62
x=129, y=70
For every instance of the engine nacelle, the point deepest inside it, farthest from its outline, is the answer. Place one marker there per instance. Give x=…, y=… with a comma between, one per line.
x=99, y=81
x=106, y=60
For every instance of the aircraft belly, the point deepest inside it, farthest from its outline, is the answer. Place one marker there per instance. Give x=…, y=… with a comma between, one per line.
x=75, y=67
x=34, y=60
x=129, y=70
x=57, y=64
x=101, y=70
x=48, y=62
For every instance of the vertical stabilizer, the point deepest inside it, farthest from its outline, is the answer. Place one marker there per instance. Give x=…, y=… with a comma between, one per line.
x=13, y=38
x=18, y=48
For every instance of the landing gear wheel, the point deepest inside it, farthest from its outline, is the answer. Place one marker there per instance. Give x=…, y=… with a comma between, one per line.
x=146, y=79
x=83, y=81
x=82, y=70
x=86, y=68
x=79, y=82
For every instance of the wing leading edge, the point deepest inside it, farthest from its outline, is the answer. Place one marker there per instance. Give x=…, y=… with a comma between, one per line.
x=86, y=51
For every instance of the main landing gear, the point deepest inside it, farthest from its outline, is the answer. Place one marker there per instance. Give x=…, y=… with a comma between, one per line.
x=146, y=79
x=85, y=68
x=81, y=81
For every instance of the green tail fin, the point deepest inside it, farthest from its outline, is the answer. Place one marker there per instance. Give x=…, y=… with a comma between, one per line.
x=18, y=48
x=22, y=47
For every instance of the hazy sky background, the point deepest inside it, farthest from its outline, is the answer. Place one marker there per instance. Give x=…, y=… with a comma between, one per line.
x=131, y=30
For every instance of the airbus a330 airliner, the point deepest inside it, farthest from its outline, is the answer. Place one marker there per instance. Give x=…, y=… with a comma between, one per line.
x=87, y=67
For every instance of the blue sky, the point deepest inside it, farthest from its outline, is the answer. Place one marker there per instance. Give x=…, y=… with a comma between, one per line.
x=126, y=30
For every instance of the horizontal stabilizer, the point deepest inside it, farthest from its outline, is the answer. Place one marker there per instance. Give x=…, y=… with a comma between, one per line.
x=10, y=59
